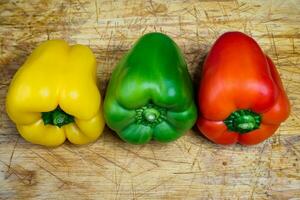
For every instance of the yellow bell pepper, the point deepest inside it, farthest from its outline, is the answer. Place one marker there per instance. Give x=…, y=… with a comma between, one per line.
x=54, y=96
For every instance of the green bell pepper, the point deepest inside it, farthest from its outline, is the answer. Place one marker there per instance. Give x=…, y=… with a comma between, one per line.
x=150, y=93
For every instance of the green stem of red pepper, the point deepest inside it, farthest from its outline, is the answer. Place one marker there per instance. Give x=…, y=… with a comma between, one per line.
x=243, y=121
x=57, y=117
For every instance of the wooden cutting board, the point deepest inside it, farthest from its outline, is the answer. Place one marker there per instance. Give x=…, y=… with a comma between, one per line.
x=189, y=168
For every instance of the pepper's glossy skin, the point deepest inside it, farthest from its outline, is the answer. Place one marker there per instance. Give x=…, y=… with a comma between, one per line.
x=150, y=93
x=56, y=74
x=237, y=76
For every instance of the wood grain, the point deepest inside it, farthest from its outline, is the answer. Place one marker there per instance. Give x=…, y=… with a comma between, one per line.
x=190, y=168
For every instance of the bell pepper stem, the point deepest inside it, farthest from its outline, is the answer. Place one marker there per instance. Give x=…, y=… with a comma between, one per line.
x=57, y=117
x=243, y=121
x=150, y=115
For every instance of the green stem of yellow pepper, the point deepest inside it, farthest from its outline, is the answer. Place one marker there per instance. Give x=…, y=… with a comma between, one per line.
x=57, y=117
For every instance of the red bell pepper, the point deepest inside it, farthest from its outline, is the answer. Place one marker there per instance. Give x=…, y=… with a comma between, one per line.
x=241, y=97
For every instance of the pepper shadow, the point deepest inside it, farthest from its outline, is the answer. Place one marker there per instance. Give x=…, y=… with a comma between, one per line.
x=196, y=78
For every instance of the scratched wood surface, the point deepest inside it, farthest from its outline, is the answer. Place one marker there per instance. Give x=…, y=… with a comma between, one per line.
x=190, y=168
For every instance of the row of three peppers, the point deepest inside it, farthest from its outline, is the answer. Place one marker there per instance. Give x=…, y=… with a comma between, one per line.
x=54, y=95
